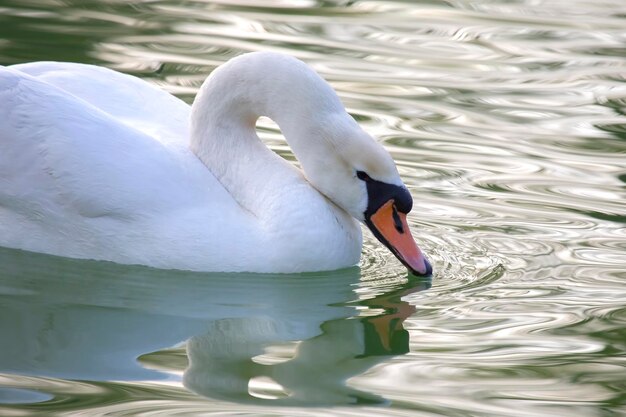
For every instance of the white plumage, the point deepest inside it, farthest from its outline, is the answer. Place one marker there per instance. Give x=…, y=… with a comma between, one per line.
x=101, y=165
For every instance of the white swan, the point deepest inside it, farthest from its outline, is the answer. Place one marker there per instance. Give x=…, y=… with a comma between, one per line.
x=101, y=165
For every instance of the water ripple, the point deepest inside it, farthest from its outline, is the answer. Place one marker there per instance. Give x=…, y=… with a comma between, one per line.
x=508, y=123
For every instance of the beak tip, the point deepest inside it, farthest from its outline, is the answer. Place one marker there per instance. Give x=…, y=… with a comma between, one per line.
x=425, y=271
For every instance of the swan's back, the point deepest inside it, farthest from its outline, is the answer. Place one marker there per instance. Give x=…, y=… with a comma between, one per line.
x=72, y=174
x=83, y=152
x=125, y=98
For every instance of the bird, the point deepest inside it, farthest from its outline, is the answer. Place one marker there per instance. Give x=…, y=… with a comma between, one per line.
x=97, y=164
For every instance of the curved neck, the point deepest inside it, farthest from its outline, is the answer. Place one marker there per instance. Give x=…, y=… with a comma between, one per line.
x=224, y=115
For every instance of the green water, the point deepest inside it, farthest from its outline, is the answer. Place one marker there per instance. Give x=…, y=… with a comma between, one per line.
x=508, y=123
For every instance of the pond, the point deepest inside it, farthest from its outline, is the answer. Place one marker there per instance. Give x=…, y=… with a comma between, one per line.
x=507, y=119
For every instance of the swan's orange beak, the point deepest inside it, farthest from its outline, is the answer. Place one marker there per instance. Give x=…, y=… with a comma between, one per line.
x=392, y=229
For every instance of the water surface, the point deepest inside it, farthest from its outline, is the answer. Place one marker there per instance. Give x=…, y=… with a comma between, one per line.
x=508, y=123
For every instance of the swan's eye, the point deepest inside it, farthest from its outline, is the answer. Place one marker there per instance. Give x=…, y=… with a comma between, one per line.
x=363, y=176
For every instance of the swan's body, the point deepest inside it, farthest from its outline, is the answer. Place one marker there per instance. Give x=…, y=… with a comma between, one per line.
x=96, y=164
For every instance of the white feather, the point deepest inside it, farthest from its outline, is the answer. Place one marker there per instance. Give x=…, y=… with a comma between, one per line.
x=101, y=165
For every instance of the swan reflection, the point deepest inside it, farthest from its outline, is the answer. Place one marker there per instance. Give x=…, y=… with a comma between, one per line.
x=222, y=361
x=248, y=338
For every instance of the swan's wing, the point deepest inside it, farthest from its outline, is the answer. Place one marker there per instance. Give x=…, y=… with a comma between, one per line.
x=125, y=98
x=60, y=154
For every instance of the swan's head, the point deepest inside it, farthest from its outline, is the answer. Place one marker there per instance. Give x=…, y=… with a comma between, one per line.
x=360, y=176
